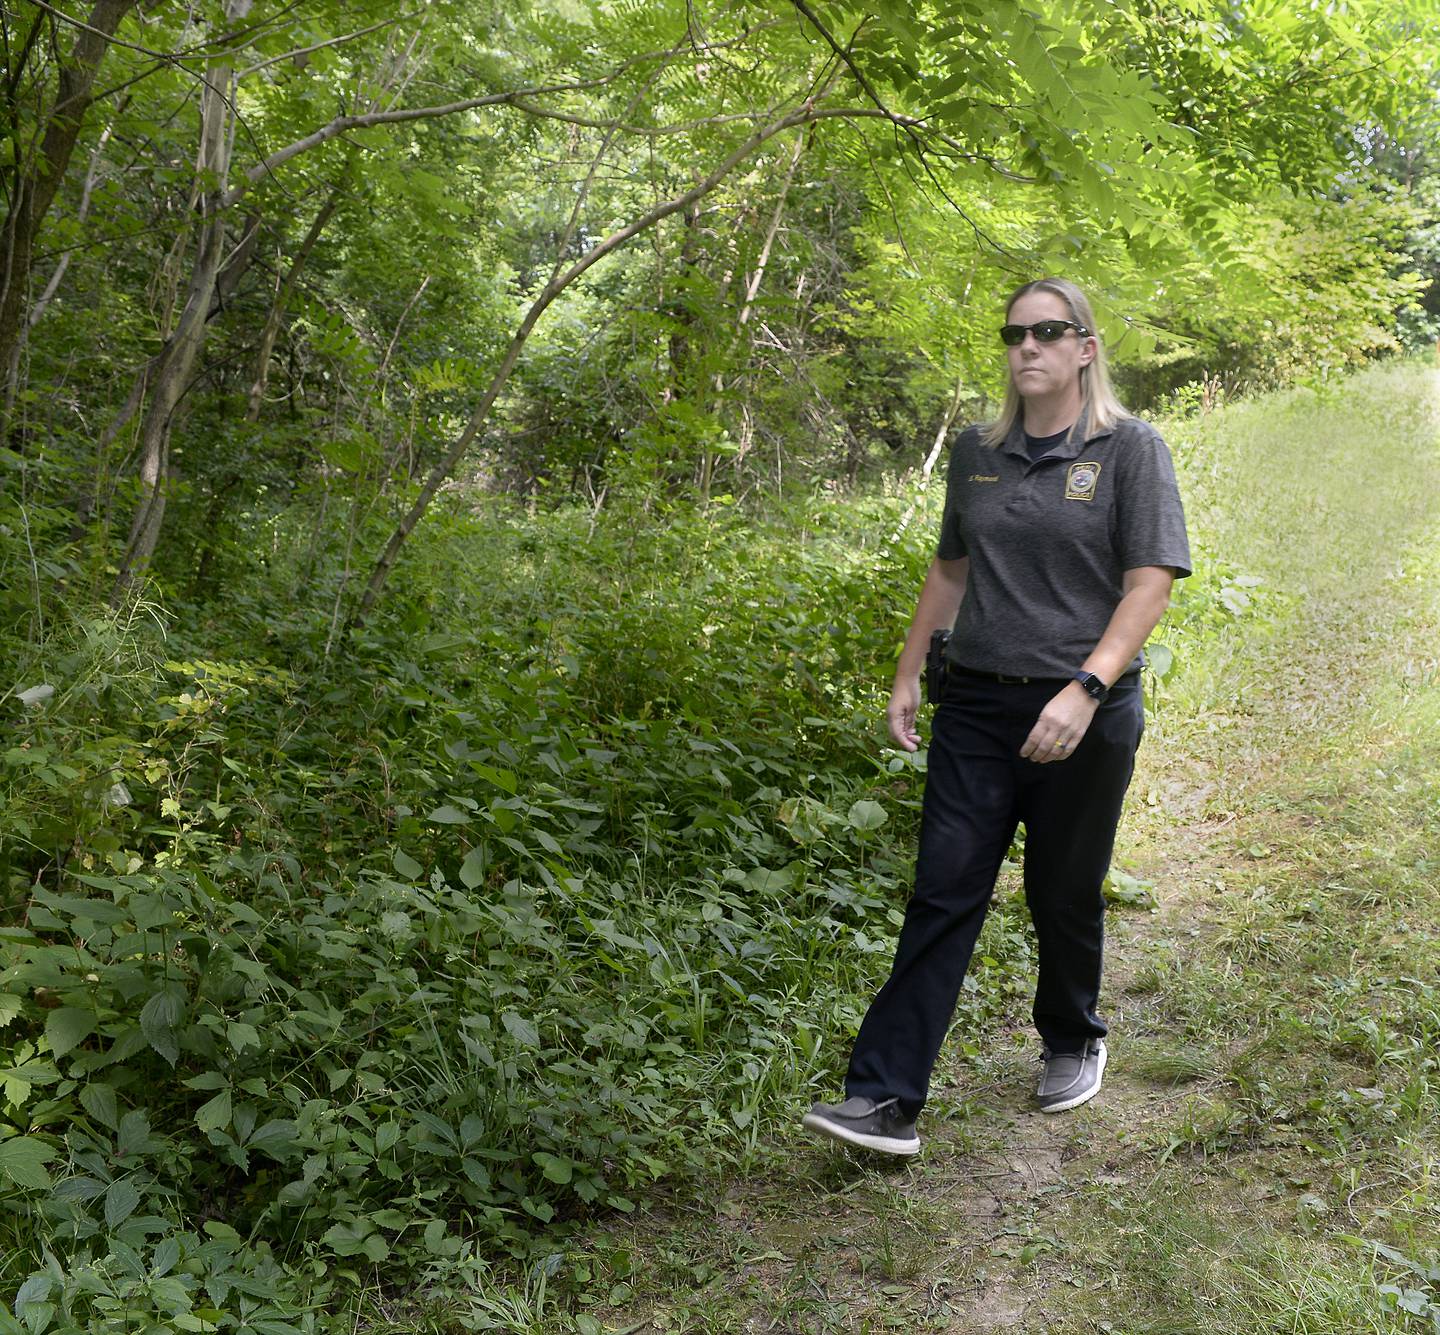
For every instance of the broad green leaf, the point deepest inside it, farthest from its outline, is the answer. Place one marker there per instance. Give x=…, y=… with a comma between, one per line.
x=866, y=815
x=472, y=869
x=503, y=779
x=9, y=1007
x=99, y=1101
x=67, y=1027
x=23, y=1160
x=523, y=1031
x=768, y=881
x=120, y=1202
x=132, y=1136
x=242, y=1035
x=166, y=1257
x=394, y=922
x=448, y=815
x=274, y=1137
x=158, y=1018
x=38, y=1317
x=36, y=1289
x=555, y=1168
x=347, y=1238
x=406, y=866
x=214, y=1114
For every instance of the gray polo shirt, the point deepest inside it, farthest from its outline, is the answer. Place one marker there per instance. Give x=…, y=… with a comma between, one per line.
x=1049, y=542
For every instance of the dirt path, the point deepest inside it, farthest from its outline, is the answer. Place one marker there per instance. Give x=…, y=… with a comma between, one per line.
x=1237, y=1166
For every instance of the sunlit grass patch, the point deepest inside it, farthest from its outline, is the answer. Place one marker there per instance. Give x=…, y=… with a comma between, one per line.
x=1232, y=1260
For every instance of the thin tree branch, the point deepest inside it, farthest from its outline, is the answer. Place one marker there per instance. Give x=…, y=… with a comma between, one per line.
x=399, y=325
x=444, y=467
x=342, y=124
x=907, y=124
x=584, y=192
x=320, y=46
x=752, y=287
x=521, y=103
x=173, y=57
x=86, y=192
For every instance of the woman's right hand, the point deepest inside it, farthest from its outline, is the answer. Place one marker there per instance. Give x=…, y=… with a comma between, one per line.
x=900, y=714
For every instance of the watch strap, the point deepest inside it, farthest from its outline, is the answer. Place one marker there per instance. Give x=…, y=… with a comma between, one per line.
x=1096, y=689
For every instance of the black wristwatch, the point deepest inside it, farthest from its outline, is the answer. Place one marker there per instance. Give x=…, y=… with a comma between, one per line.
x=1096, y=689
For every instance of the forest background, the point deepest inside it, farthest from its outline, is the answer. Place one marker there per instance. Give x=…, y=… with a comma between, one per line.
x=464, y=469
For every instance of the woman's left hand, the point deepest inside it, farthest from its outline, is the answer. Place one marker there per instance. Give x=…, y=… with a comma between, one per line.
x=1061, y=725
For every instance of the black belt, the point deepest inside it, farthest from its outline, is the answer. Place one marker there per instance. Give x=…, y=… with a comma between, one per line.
x=1000, y=677
x=1005, y=680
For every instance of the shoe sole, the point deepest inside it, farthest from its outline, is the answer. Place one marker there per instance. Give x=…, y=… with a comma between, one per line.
x=1083, y=1097
x=861, y=1139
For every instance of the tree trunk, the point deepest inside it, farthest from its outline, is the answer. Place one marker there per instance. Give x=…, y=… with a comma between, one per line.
x=35, y=188
x=208, y=540
x=176, y=361
x=682, y=312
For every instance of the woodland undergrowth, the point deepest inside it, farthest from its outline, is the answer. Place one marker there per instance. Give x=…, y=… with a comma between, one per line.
x=330, y=974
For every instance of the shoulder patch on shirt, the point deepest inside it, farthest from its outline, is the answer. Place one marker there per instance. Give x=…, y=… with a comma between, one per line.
x=1080, y=481
x=984, y=477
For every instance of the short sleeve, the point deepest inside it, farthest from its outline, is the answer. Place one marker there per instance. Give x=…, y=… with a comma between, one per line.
x=951, y=546
x=1151, y=518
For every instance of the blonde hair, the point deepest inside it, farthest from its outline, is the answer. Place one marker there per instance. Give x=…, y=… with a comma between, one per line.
x=1100, y=407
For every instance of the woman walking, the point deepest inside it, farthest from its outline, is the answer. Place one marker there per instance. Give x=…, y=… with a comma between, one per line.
x=1061, y=536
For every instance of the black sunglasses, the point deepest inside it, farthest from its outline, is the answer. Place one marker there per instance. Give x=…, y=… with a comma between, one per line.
x=1045, y=331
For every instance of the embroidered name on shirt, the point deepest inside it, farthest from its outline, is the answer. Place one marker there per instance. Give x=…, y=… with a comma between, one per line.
x=984, y=477
x=1080, y=481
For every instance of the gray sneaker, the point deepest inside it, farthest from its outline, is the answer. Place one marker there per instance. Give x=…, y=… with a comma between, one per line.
x=1071, y=1078
x=861, y=1121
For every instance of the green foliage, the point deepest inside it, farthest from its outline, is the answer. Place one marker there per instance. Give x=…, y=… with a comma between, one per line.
x=439, y=948
x=417, y=945
x=844, y=277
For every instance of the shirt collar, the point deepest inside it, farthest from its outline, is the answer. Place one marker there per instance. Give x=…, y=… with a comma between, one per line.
x=1073, y=445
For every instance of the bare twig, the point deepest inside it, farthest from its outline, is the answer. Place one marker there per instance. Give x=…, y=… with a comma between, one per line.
x=400, y=324
x=169, y=57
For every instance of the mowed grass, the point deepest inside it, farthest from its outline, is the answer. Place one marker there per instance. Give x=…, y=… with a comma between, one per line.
x=1265, y=1155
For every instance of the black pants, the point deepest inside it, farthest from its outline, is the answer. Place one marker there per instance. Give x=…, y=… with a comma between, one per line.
x=977, y=791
